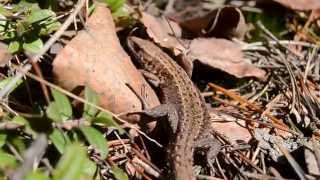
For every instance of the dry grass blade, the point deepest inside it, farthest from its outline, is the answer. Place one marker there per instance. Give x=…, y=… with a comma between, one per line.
x=249, y=104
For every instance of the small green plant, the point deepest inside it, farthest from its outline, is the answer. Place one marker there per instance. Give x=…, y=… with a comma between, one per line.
x=70, y=141
x=60, y=111
x=23, y=25
x=119, y=9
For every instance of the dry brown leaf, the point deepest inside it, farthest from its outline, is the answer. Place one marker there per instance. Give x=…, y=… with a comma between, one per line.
x=226, y=22
x=166, y=33
x=224, y=55
x=300, y=4
x=5, y=56
x=229, y=127
x=95, y=58
x=315, y=14
x=162, y=33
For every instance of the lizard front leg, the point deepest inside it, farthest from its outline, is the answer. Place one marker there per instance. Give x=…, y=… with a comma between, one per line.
x=163, y=110
x=168, y=110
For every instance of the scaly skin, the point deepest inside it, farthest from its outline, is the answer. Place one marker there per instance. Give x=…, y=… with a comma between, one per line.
x=178, y=90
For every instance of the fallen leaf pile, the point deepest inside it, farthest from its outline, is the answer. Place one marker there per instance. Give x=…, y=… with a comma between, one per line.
x=224, y=55
x=218, y=53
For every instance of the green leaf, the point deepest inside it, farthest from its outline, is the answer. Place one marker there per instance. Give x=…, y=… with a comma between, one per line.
x=18, y=143
x=22, y=121
x=58, y=140
x=118, y=173
x=91, y=97
x=3, y=138
x=36, y=175
x=96, y=139
x=114, y=5
x=26, y=5
x=3, y=11
x=63, y=105
x=7, y=160
x=8, y=35
x=121, y=12
x=107, y=120
x=14, y=47
x=53, y=112
x=32, y=46
x=5, y=82
x=89, y=169
x=21, y=28
x=40, y=15
x=3, y=21
x=7, y=32
x=70, y=166
x=50, y=27
x=45, y=19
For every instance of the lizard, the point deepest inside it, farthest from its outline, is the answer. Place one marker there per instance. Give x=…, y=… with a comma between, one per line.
x=183, y=105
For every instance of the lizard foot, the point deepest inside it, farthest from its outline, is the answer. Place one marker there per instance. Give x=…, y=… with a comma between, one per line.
x=163, y=110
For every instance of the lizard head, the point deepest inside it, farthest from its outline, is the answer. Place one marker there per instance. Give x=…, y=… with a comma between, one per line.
x=141, y=49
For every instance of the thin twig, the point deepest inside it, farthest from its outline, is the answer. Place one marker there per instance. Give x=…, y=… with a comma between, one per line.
x=38, y=71
x=311, y=57
x=34, y=153
x=149, y=169
x=9, y=126
x=258, y=45
x=169, y=7
x=71, y=124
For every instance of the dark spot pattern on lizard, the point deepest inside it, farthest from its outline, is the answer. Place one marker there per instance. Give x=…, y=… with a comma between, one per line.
x=177, y=89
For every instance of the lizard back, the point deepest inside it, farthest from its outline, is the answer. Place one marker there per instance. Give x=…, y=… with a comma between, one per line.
x=176, y=88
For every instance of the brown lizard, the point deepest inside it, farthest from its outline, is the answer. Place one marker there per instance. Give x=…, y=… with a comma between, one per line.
x=182, y=103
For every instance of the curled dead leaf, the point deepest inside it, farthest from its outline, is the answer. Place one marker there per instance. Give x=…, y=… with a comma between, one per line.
x=226, y=22
x=224, y=55
x=95, y=58
x=163, y=31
